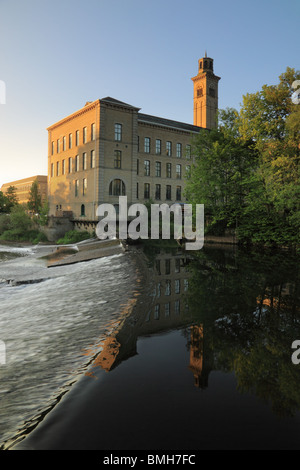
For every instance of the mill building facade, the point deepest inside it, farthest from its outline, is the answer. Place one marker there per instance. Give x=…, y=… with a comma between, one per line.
x=109, y=149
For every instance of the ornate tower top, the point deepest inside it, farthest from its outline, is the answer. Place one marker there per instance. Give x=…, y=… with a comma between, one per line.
x=205, y=94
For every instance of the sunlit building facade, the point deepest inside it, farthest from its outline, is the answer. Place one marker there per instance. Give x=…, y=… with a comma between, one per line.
x=23, y=186
x=109, y=149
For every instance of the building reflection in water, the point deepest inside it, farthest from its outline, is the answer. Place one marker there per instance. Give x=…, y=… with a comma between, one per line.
x=238, y=314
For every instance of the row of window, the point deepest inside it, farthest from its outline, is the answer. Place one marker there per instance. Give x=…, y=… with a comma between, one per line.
x=61, y=145
x=165, y=310
x=167, y=266
x=66, y=166
x=168, y=149
x=158, y=192
x=117, y=188
x=158, y=169
x=77, y=187
x=158, y=145
x=159, y=290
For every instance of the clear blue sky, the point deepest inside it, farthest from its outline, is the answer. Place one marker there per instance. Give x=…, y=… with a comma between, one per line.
x=58, y=54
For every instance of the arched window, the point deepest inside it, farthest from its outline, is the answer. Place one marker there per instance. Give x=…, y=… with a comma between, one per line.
x=82, y=210
x=117, y=188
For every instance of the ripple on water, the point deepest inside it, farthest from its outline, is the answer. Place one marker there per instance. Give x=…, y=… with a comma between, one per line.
x=47, y=328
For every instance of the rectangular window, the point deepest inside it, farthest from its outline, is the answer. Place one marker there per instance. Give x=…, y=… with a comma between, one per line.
x=84, y=186
x=146, y=191
x=93, y=133
x=167, y=309
x=157, y=266
x=178, y=193
x=70, y=165
x=167, y=266
x=93, y=162
x=77, y=163
x=169, y=170
x=178, y=172
x=158, y=169
x=188, y=151
x=84, y=135
x=70, y=141
x=177, y=307
x=168, y=192
x=177, y=265
x=117, y=159
x=158, y=146
x=118, y=132
x=157, y=191
x=177, y=286
x=63, y=167
x=137, y=190
x=52, y=148
x=147, y=145
x=169, y=149
x=57, y=146
x=77, y=138
x=84, y=161
x=52, y=170
x=168, y=288
x=147, y=168
x=188, y=171
x=64, y=143
x=178, y=150
x=137, y=167
x=156, y=312
x=57, y=168
x=76, y=188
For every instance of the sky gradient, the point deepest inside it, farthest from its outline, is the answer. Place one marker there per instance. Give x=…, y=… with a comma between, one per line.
x=58, y=54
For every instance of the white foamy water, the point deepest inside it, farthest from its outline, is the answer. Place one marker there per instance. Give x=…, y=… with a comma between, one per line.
x=48, y=326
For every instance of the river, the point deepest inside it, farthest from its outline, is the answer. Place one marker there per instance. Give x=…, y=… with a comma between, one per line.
x=203, y=362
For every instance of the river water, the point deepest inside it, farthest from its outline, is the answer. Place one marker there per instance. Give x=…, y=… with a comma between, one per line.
x=52, y=323
x=204, y=363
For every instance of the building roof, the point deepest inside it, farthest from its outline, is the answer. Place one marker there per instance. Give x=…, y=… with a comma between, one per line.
x=111, y=100
x=167, y=123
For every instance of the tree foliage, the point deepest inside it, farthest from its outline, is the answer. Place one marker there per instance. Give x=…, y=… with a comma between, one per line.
x=246, y=172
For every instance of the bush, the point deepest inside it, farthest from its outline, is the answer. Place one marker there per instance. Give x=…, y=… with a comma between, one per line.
x=73, y=236
x=4, y=223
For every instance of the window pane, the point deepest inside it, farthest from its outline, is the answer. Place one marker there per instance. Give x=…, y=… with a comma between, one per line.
x=178, y=150
x=117, y=159
x=158, y=147
x=157, y=169
x=147, y=167
x=157, y=191
x=169, y=170
x=118, y=132
x=147, y=145
x=93, y=163
x=169, y=149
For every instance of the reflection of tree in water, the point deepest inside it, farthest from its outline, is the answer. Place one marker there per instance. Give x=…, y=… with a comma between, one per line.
x=248, y=305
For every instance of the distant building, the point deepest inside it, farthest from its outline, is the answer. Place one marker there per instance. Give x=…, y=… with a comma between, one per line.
x=23, y=186
x=109, y=149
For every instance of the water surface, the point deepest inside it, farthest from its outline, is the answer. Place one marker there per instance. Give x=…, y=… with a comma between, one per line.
x=206, y=364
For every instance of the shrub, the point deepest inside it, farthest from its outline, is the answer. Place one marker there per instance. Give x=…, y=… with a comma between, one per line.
x=73, y=236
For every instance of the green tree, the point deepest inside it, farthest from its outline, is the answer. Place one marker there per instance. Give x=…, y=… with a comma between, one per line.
x=246, y=172
x=221, y=175
x=272, y=121
x=35, y=200
x=8, y=200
